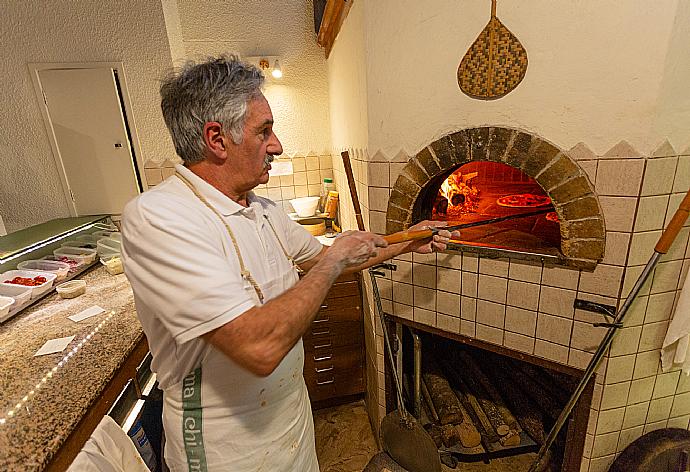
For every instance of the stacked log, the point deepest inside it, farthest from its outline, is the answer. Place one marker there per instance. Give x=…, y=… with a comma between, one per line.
x=527, y=414
x=491, y=401
x=455, y=424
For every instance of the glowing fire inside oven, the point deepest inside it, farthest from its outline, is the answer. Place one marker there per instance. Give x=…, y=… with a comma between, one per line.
x=457, y=196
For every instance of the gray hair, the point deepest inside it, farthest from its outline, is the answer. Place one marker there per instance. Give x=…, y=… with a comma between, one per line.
x=218, y=89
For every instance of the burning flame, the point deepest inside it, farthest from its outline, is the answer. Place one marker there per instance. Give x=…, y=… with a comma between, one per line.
x=457, y=196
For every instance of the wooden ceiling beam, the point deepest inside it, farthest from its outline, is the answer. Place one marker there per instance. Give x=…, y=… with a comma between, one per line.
x=333, y=17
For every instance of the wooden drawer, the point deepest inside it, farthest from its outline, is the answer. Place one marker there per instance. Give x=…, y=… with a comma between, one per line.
x=334, y=372
x=344, y=289
x=334, y=334
x=330, y=315
x=341, y=303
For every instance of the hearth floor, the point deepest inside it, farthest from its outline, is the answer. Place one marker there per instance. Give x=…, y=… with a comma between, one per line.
x=345, y=443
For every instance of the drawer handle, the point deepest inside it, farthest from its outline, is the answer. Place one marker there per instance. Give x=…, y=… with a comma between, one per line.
x=326, y=382
x=321, y=346
x=323, y=307
x=321, y=333
x=327, y=357
x=326, y=369
x=321, y=320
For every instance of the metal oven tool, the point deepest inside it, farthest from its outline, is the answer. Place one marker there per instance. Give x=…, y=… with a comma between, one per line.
x=413, y=235
x=661, y=248
x=403, y=437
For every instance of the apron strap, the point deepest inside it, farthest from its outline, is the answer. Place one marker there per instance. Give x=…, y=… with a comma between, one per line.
x=246, y=275
x=280, y=243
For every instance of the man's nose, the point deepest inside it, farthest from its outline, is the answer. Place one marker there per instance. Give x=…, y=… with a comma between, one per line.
x=274, y=147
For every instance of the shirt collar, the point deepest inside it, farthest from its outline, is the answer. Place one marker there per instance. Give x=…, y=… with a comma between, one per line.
x=217, y=199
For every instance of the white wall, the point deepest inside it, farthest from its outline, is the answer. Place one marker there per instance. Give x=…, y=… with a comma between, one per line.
x=128, y=31
x=599, y=71
x=275, y=28
x=347, y=83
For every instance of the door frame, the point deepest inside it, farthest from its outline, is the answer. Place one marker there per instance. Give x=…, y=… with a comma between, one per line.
x=119, y=67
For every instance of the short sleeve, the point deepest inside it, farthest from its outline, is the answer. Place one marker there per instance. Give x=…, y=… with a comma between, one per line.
x=178, y=266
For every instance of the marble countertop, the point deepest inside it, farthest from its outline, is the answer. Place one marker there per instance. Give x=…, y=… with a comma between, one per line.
x=43, y=398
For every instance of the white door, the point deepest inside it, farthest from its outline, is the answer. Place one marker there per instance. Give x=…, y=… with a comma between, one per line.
x=86, y=117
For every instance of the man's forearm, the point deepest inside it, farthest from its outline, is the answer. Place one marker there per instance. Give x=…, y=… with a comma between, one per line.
x=382, y=255
x=261, y=337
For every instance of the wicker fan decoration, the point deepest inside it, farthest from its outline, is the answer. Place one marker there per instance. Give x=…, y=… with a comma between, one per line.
x=495, y=63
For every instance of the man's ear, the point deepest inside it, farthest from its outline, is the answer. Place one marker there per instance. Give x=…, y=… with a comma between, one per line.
x=215, y=140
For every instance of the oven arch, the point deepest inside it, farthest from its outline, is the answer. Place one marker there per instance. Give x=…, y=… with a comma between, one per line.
x=582, y=228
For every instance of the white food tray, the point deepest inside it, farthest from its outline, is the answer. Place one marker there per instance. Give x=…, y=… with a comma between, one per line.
x=37, y=290
x=5, y=305
x=84, y=255
x=21, y=295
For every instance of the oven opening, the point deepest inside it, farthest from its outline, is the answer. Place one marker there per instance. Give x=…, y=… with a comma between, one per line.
x=484, y=190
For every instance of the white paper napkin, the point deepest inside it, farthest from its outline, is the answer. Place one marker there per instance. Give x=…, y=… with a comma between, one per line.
x=88, y=313
x=54, y=345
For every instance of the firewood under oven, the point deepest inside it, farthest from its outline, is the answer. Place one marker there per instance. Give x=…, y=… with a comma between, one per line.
x=482, y=420
x=500, y=416
x=517, y=378
x=455, y=423
x=527, y=413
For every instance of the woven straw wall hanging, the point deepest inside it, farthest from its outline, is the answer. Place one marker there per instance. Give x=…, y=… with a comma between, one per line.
x=495, y=63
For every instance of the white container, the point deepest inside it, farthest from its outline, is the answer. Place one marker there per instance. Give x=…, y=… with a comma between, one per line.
x=305, y=206
x=5, y=304
x=113, y=264
x=36, y=290
x=104, y=234
x=61, y=269
x=74, y=265
x=108, y=247
x=89, y=238
x=77, y=243
x=20, y=293
x=83, y=254
x=71, y=288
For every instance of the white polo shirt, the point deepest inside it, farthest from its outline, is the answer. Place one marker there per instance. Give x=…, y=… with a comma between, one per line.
x=183, y=268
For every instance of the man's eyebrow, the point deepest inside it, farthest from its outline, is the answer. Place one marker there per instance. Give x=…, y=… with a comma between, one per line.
x=265, y=122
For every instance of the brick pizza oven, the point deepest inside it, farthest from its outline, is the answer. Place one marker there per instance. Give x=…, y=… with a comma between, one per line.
x=522, y=304
x=594, y=134
x=549, y=170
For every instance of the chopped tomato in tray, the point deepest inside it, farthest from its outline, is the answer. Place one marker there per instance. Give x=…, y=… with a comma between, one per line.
x=29, y=282
x=524, y=200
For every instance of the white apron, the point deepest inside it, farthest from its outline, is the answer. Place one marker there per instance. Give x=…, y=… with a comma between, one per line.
x=221, y=417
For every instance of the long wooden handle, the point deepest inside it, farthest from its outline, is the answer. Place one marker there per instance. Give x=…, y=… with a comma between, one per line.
x=353, y=189
x=676, y=224
x=408, y=235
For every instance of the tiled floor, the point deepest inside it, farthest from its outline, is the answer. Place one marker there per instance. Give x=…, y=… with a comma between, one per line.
x=345, y=443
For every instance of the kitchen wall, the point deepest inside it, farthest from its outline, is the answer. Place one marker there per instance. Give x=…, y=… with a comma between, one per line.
x=285, y=29
x=130, y=31
x=599, y=82
x=604, y=83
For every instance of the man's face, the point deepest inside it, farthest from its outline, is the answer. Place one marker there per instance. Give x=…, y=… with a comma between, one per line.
x=259, y=144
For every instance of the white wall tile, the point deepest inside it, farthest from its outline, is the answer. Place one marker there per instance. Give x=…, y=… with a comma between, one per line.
x=491, y=314
x=525, y=271
x=521, y=321
x=635, y=415
x=448, y=279
x=489, y=334
x=523, y=295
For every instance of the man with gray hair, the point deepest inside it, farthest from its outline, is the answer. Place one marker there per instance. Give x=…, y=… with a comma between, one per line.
x=214, y=270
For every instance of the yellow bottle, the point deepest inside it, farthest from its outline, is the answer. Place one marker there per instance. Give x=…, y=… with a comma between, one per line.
x=331, y=208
